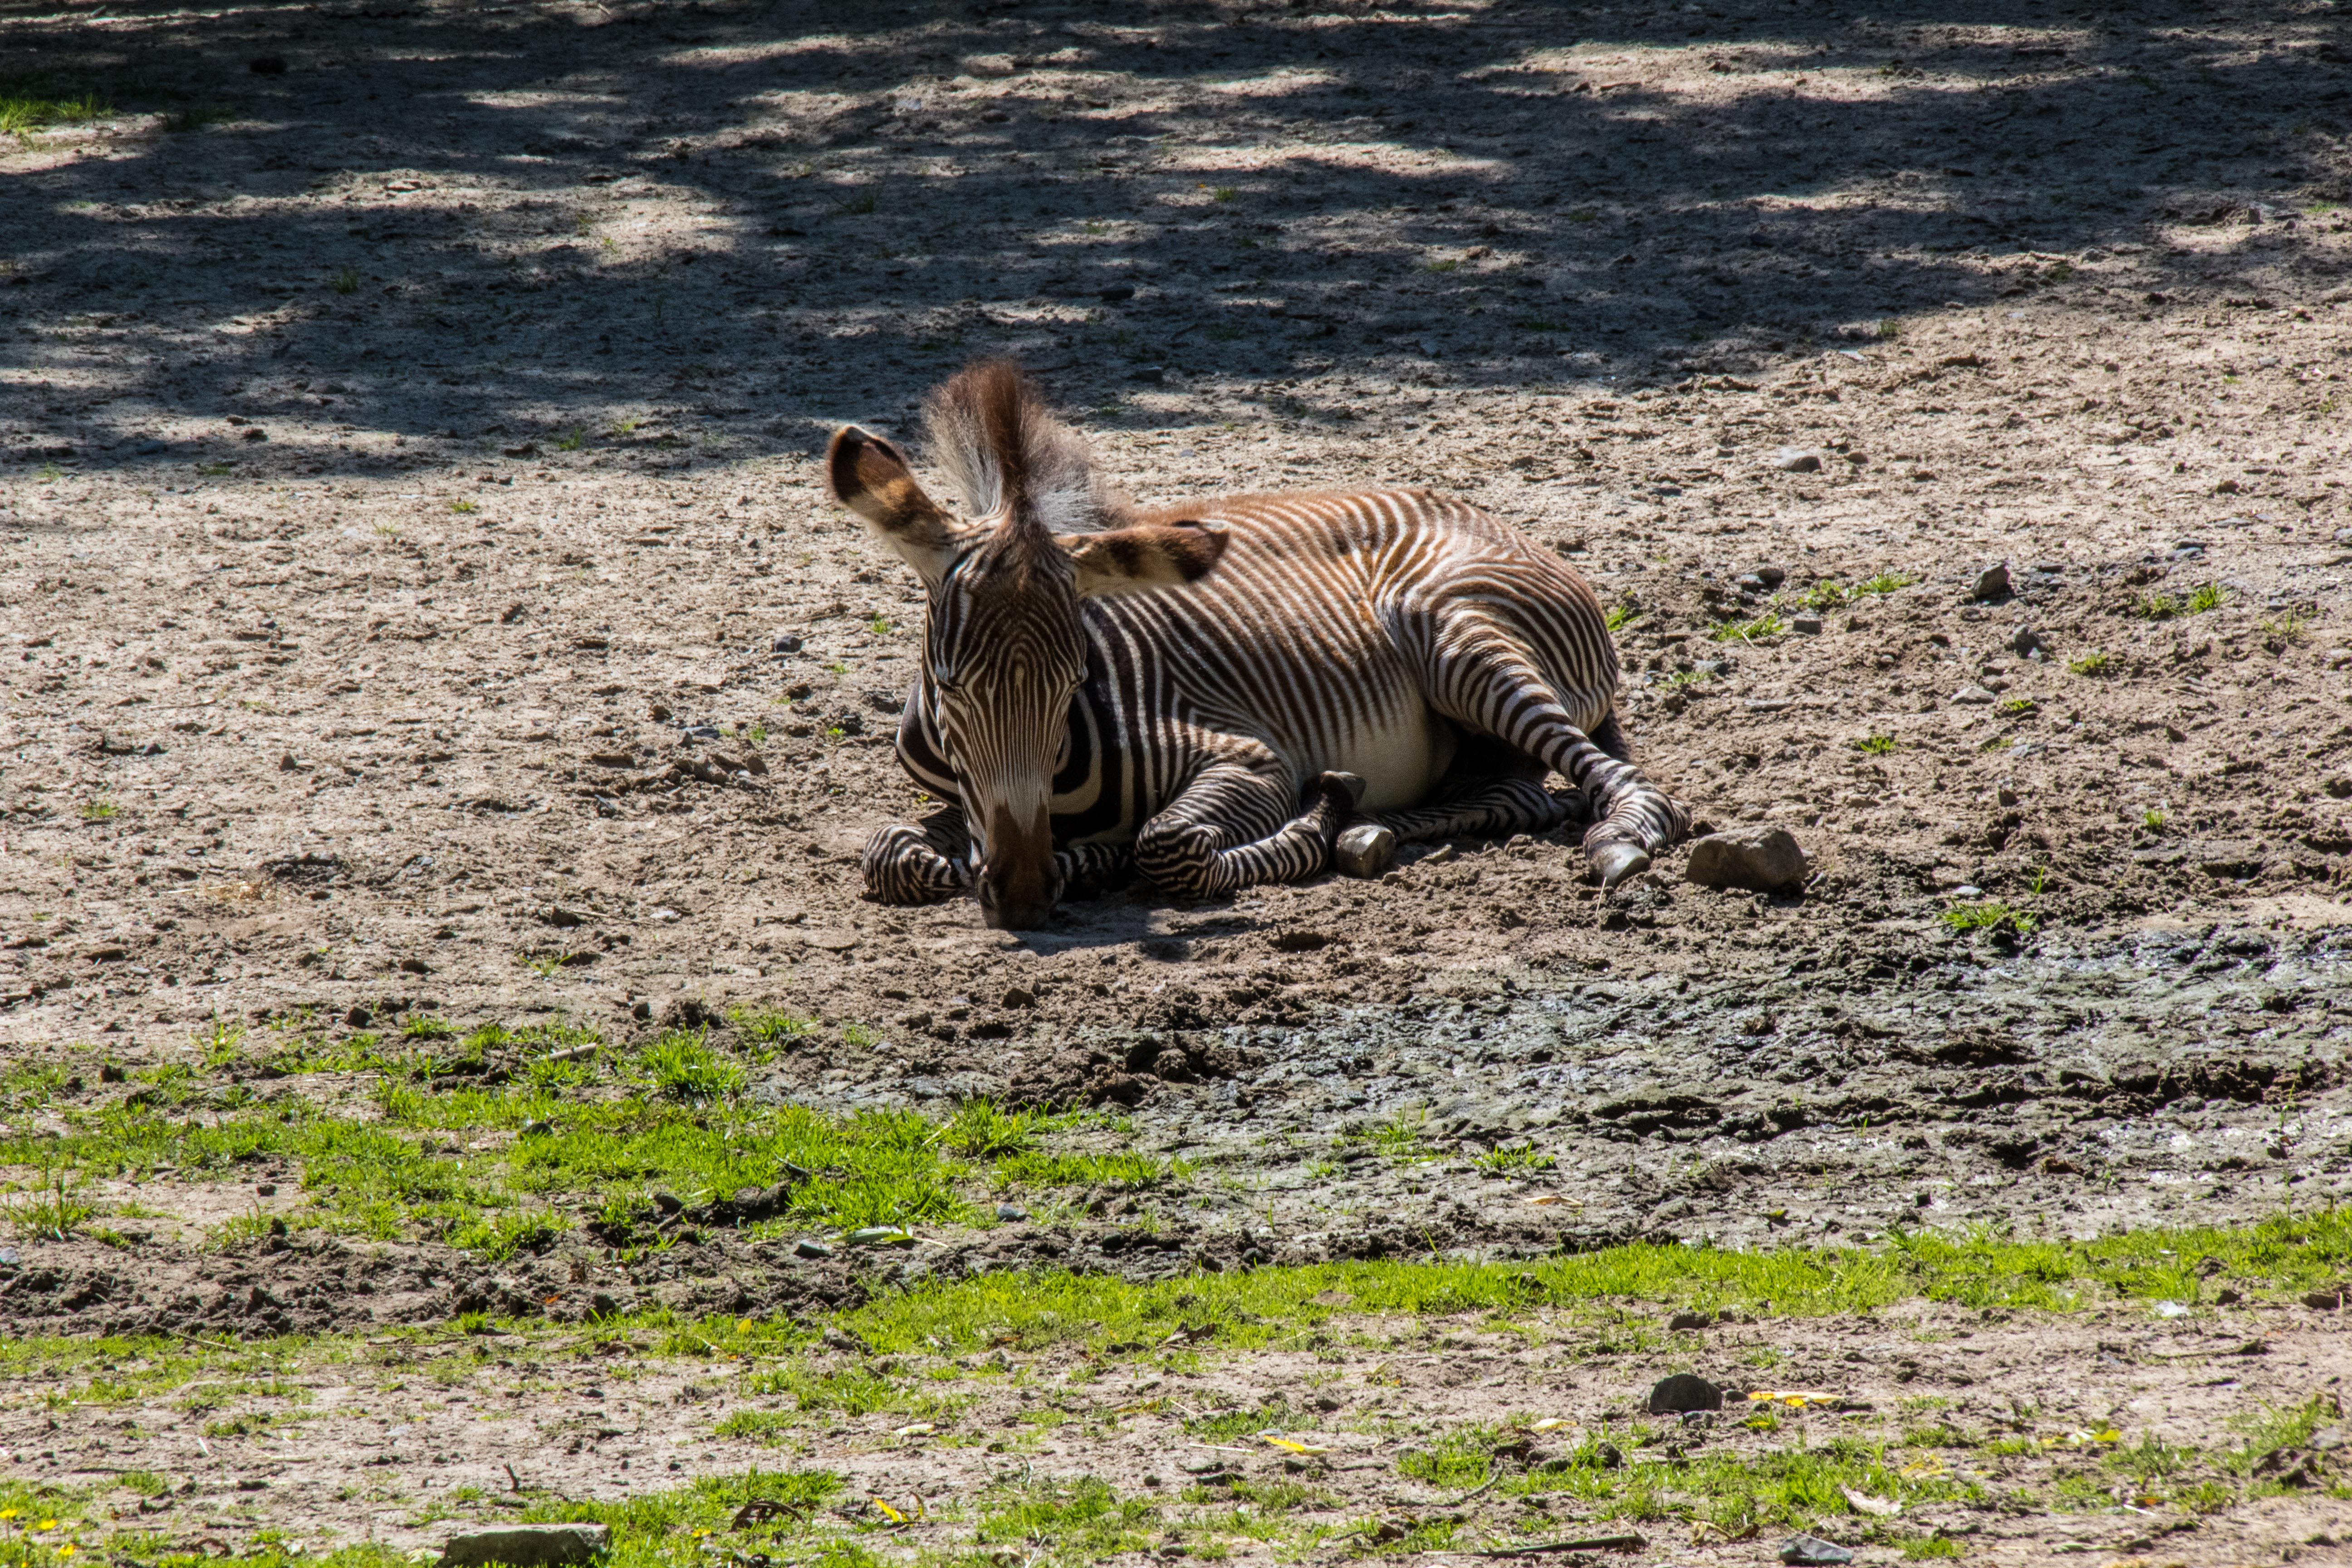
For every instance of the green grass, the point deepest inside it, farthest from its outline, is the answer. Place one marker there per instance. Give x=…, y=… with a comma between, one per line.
x=345, y=281
x=2096, y=663
x=1622, y=615
x=2164, y=607
x=1875, y=745
x=571, y=440
x=99, y=810
x=1991, y=915
x=23, y=113
x=486, y=1142
x=2016, y=708
x=1827, y=594
x=1768, y=624
x=1270, y=1306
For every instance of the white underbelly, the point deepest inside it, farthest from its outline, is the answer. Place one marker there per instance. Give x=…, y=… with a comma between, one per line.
x=1399, y=762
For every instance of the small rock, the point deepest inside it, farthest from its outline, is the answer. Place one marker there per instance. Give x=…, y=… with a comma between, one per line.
x=1010, y=1213
x=807, y=1248
x=289, y=763
x=359, y=1017
x=1020, y=996
x=538, y=1129
x=1812, y=1549
x=1689, y=1319
x=1761, y=859
x=2326, y=1440
x=784, y=643
x=1773, y=577
x=843, y=1340
x=1806, y=626
x=1991, y=584
x=2329, y=1301
x=1972, y=696
x=1364, y=850
x=2026, y=643
x=1684, y=1391
x=528, y=1546
x=1698, y=1420
x=1797, y=461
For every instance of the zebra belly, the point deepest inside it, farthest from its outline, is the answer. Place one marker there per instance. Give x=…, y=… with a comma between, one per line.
x=1401, y=758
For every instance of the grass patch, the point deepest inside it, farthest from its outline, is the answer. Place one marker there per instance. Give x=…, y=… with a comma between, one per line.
x=506, y=1141
x=1268, y=1306
x=23, y=113
x=1875, y=745
x=1768, y=624
x=1990, y=915
x=2096, y=663
x=1623, y=615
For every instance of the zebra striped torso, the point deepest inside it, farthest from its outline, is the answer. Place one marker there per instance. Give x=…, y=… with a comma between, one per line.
x=1325, y=635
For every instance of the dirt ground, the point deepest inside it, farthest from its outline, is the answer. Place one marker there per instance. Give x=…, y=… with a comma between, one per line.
x=407, y=503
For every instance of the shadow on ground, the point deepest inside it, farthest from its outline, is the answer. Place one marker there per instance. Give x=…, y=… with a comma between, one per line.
x=682, y=232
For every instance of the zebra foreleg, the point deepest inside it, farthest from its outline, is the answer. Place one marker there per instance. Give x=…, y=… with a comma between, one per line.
x=1090, y=868
x=1227, y=832
x=903, y=864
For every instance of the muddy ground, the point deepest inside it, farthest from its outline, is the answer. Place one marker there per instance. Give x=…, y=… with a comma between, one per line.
x=408, y=428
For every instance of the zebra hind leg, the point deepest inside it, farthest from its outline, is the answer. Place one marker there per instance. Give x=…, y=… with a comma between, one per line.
x=905, y=863
x=1492, y=808
x=1228, y=831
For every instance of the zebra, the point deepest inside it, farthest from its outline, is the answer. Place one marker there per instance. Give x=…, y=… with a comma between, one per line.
x=1209, y=693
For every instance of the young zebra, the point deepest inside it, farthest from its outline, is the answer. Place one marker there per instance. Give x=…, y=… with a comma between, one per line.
x=1215, y=689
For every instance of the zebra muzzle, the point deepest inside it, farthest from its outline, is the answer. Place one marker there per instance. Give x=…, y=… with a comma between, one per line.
x=1019, y=882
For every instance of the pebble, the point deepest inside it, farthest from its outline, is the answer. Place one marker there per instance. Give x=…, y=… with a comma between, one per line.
x=1010, y=1212
x=808, y=1249
x=1812, y=1549
x=1806, y=626
x=1684, y=1391
x=1761, y=859
x=537, y=1129
x=784, y=643
x=1797, y=461
x=1992, y=583
x=528, y=1546
x=1972, y=696
x=2026, y=643
x=1364, y=850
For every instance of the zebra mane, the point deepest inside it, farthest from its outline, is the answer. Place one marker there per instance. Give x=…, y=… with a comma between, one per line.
x=1008, y=456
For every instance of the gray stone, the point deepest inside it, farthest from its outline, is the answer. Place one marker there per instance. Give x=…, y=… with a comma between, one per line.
x=1972, y=696
x=528, y=1546
x=1806, y=626
x=2026, y=643
x=1812, y=1549
x=1684, y=1391
x=784, y=643
x=1762, y=859
x=1797, y=461
x=1992, y=583
x=1364, y=850
x=805, y=1248
x=1010, y=1212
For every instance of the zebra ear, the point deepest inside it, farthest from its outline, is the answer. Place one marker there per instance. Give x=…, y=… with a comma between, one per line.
x=870, y=476
x=1151, y=555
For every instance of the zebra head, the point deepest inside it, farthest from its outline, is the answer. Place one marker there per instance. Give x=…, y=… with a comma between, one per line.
x=1003, y=645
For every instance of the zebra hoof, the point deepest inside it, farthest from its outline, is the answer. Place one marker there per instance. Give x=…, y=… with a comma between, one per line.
x=1364, y=850
x=1612, y=863
x=1354, y=785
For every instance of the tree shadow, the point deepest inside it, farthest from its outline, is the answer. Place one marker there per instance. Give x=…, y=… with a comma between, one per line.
x=659, y=236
